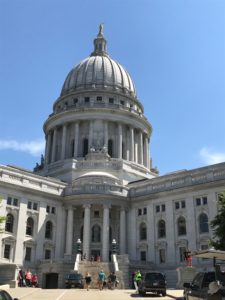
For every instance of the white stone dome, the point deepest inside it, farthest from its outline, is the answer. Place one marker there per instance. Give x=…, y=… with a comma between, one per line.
x=99, y=71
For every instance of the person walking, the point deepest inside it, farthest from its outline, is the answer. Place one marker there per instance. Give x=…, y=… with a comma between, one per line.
x=28, y=276
x=137, y=280
x=101, y=279
x=87, y=280
x=112, y=281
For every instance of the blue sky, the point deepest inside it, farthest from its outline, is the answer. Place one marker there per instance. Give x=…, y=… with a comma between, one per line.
x=173, y=49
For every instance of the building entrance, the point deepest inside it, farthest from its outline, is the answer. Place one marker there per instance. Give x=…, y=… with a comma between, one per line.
x=51, y=281
x=96, y=254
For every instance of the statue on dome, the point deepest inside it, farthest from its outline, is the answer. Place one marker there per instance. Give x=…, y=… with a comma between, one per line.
x=101, y=28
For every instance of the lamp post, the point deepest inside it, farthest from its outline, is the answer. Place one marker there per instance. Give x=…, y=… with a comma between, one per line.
x=114, y=246
x=79, y=246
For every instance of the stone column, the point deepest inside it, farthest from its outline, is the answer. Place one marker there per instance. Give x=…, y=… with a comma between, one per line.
x=106, y=134
x=87, y=228
x=120, y=141
x=20, y=232
x=54, y=145
x=90, y=134
x=140, y=148
x=69, y=231
x=76, y=139
x=63, y=149
x=132, y=238
x=105, y=234
x=41, y=230
x=148, y=155
x=48, y=147
x=131, y=144
x=122, y=231
x=145, y=159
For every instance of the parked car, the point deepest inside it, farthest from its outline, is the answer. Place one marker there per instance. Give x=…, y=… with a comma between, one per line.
x=153, y=282
x=74, y=280
x=5, y=296
x=201, y=285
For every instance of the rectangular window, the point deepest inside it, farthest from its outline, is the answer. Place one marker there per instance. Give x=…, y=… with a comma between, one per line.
x=47, y=254
x=139, y=212
x=48, y=208
x=9, y=200
x=75, y=100
x=162, y=256
x=183, y=204
x=145, y=211
x=143, y=255
x=163, y=207
x=121, y=102
x=86, y=99
x=111, y=100
x=99, y=98
x=157, y=208
x=177, y=205
x=7, y=251
x=204, y=199
x=96, y=213
x=198, y=201
x=15, y=202
x=29, y=205
x=35, y=206
x=28, y=254
x=53, y=210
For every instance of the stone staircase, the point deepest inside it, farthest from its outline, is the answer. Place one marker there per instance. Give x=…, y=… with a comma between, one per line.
x=94, y=268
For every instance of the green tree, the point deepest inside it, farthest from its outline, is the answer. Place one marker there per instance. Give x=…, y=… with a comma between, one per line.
x=218, y=225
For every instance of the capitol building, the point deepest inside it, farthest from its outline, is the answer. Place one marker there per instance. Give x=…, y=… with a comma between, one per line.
x=95, y=190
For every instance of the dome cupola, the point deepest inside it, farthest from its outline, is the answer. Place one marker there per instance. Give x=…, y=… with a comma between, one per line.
x=99, y=71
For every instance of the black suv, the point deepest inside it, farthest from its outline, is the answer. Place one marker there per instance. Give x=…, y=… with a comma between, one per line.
x=74, y=280
x=153, y=282
x=199, y=288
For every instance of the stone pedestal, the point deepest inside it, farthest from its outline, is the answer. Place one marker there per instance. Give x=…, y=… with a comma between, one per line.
x=185, y=274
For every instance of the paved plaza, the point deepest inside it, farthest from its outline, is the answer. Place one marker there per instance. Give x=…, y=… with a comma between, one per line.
x=71, y=294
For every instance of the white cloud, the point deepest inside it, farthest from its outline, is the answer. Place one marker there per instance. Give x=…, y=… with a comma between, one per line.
x=211, y=157
x=35, y=148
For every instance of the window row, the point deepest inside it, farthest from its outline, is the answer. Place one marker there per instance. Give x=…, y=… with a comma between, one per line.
x=98, y=99
x=203, y=225
x=142, y=211
x=12, y=201
x=28, y=253
x=9, y=225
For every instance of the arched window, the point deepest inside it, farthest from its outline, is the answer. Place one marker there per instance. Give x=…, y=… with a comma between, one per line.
x=96, y=234
x=9, y=223
x=110, y=148
x=48, y=230
x=203, y=223
x=30, y=226
x=181, y=226
x=85, y=147
x=161, y=229
x=143, y=232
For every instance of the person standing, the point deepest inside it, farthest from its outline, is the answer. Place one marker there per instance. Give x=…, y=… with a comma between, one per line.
x=28, y=276
x=87, y=280
x=101, y=279
x=112, y=281
x=34, y=280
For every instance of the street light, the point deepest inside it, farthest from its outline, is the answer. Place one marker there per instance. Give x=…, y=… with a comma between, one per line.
x=114, y=246
x=79, y=246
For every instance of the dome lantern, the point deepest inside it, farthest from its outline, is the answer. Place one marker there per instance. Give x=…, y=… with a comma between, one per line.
x=100, y=44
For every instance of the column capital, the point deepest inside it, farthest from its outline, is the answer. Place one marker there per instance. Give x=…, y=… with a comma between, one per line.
x=86, y=206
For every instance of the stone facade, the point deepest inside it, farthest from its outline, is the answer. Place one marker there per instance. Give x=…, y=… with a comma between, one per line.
x=96, y=183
